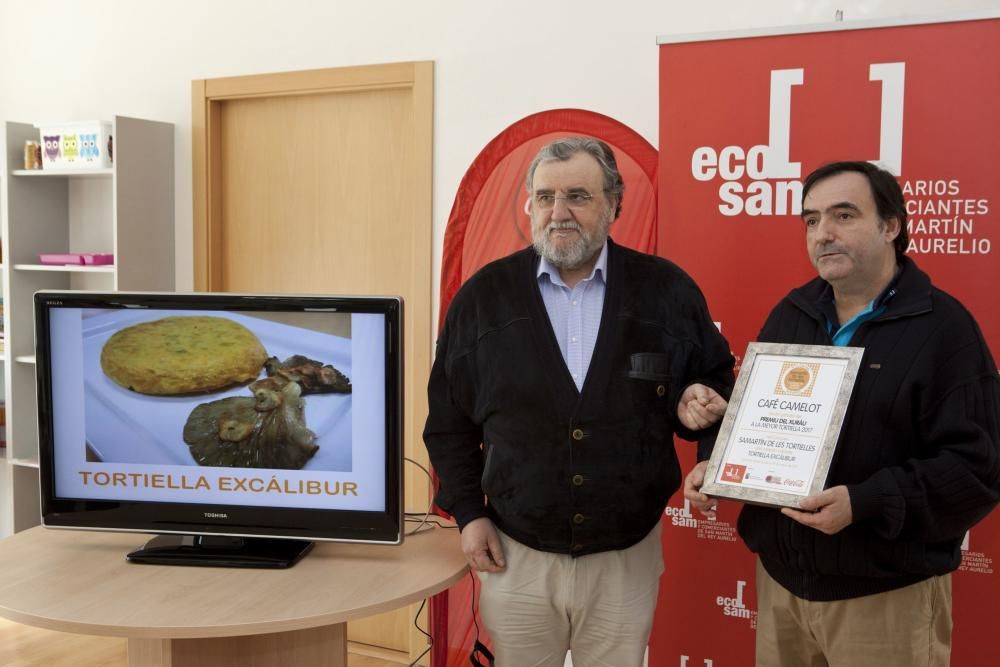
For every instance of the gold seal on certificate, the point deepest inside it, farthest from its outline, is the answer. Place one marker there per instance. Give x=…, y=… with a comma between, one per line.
x=777, y=439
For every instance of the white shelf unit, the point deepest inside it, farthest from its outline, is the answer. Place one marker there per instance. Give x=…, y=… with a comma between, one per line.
x=107, y=268
x=127, y=209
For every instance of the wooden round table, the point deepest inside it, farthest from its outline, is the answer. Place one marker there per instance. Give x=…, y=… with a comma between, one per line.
x=80, y=582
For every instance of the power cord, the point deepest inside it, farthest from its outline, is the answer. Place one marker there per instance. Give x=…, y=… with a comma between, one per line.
x=430, y=640
x=424, y=524
x=411, y=517
x=478, y=649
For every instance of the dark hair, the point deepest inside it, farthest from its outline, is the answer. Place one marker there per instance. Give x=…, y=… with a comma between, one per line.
x=885, y=190
x=564, y=149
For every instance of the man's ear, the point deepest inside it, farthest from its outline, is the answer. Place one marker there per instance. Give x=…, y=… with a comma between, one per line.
x=892, y=228
x=527, y=206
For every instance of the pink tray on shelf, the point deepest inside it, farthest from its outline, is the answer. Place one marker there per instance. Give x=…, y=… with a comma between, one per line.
x=76, y=258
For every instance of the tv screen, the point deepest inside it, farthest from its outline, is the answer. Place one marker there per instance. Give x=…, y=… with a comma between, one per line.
x=246, y=426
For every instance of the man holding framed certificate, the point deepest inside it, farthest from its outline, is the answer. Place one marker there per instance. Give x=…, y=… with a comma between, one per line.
x=859, y=573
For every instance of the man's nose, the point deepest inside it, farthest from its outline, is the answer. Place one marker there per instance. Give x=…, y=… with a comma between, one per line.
x=560, y=209
x=824, y=230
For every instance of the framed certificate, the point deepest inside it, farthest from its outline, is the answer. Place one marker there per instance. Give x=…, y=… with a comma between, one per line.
x=777, y=439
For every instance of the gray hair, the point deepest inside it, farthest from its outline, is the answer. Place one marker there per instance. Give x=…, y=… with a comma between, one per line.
x=564, y=149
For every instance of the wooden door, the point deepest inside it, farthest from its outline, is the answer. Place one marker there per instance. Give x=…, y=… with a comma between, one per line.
x=320, y=182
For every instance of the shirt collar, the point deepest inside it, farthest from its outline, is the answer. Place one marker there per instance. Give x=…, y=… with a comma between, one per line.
x=890, y=289
x=827, y=305
x=545, y=267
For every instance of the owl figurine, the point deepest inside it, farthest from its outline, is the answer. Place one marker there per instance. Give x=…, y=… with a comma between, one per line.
x=51, y=147
x=88, y=147
x=70, y=147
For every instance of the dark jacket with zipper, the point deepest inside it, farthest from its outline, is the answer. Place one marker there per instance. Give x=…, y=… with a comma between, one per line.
x=919, y=450
x=568, y=471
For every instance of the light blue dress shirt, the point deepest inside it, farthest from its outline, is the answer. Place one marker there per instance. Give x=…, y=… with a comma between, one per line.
x=575, y=313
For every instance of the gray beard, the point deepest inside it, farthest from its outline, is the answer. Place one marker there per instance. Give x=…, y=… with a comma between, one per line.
x=570, y=256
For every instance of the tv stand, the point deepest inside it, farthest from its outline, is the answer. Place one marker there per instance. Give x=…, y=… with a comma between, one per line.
x=221, y=551
x=77, y=581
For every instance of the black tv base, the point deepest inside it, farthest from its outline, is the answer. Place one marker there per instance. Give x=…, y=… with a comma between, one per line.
x=221, y=551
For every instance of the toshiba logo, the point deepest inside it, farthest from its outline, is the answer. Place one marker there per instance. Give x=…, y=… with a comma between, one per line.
x=216, y=515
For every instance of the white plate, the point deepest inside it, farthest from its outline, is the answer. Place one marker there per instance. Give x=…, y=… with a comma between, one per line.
x=127, y=427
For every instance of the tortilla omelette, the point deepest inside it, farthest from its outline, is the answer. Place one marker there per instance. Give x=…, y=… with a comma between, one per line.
x=183, y=355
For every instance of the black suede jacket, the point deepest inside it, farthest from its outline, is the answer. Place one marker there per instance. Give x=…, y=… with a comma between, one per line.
x=567, y=471
x=919, y=450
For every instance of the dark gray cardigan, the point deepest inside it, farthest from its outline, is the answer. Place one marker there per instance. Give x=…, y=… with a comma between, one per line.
x=567, y=471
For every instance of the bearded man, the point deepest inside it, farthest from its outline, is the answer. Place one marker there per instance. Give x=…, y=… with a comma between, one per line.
x=562, y=373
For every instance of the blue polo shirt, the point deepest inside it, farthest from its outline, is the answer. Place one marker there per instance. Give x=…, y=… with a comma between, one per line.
x=842, y=334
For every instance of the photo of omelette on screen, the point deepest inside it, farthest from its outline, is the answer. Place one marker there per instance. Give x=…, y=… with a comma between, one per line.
x=258, y=417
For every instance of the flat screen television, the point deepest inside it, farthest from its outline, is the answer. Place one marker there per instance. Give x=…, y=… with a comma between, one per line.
x=239, y=428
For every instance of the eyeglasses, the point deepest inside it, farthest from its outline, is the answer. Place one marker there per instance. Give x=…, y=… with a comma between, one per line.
x=546, y=200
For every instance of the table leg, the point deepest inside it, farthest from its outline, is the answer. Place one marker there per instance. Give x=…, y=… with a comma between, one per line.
x=315, y=647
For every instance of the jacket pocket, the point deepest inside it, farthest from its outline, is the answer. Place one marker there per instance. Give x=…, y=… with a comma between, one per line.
x=487, y=460
x=651, y=388
x=654, y=366
x=650, y=379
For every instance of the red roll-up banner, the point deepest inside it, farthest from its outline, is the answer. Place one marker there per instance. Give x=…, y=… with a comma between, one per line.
x=743, y=119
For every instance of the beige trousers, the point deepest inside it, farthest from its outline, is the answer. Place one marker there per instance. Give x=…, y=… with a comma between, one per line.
x=600, y=605
x=907, y=627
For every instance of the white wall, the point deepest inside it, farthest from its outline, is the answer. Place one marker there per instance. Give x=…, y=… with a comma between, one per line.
x=496, y=61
